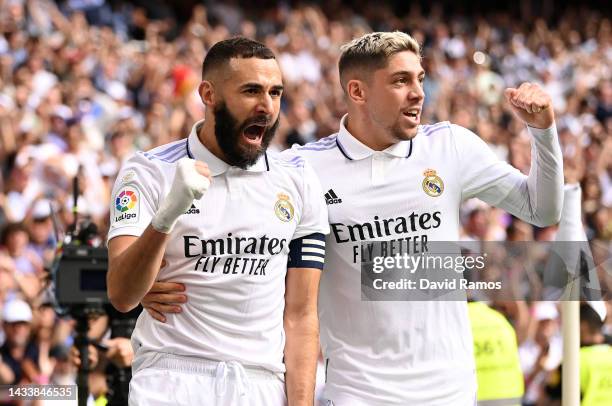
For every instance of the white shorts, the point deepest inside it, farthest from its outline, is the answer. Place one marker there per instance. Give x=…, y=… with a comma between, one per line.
x=170, y=380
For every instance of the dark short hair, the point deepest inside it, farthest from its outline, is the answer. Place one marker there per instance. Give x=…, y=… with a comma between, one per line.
x=237, y=47
x=589, y=316
x=9, y=229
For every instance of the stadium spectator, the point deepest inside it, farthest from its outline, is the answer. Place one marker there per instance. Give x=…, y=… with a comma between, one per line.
x=119, y=76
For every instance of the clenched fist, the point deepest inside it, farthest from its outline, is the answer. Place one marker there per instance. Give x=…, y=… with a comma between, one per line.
x=191, y=181
x=532, y=105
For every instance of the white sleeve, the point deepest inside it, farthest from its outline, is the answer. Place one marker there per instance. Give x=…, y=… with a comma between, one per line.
x=537, y=198
x=570, y=226
x=314, y=213
x=135, y=197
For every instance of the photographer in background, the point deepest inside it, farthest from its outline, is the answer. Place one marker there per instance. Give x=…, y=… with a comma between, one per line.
x=110, y=355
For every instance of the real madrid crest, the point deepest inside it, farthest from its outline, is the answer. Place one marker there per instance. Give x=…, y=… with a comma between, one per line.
x=432, y=184
x=283, y=208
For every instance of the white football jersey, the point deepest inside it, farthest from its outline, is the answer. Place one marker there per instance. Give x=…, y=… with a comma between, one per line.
x=230, y=249
x=404, y=353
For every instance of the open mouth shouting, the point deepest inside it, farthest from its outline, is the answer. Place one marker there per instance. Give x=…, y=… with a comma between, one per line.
x=253, y=133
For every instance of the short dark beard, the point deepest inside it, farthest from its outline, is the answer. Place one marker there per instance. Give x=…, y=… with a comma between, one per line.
x=400, y=135
x=228, y=133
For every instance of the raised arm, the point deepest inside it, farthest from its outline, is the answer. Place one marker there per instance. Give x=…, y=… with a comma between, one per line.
x=537, y=198
x=134, y=262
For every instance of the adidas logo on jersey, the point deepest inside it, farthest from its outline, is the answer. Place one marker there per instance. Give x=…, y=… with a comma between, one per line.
x=332, y=198
x=193, y=210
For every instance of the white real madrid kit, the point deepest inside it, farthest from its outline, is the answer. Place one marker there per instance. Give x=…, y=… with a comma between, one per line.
x=231, y=249
x=411, y=353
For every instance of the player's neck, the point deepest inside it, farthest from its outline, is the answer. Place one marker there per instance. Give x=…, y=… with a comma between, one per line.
x=367, y=133
x=206, y=134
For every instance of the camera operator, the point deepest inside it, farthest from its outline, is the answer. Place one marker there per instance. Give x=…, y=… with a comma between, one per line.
x=110, y=355
x=120, y=354
x=78, y=285
x=109, y=350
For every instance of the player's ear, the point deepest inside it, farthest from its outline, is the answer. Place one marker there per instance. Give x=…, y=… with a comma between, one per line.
x=355, y=90
x=207, y=93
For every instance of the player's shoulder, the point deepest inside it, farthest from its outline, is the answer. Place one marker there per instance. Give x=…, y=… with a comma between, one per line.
x=437, y=129
x=314, y=151
x=445, y=130
x=157, y=161
x=286, y=160
x=166, y=154
x=323, y=144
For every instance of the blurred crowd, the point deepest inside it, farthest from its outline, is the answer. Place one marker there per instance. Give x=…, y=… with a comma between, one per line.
x=84, y=84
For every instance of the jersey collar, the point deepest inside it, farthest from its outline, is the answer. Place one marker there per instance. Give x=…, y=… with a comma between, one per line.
x=197, y=150
x=353, y=149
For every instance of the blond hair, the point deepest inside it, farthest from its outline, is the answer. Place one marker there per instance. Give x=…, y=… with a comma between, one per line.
x=371, y=52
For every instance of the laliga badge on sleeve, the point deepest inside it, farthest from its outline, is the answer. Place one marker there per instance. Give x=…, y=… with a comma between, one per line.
x=127, y=205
